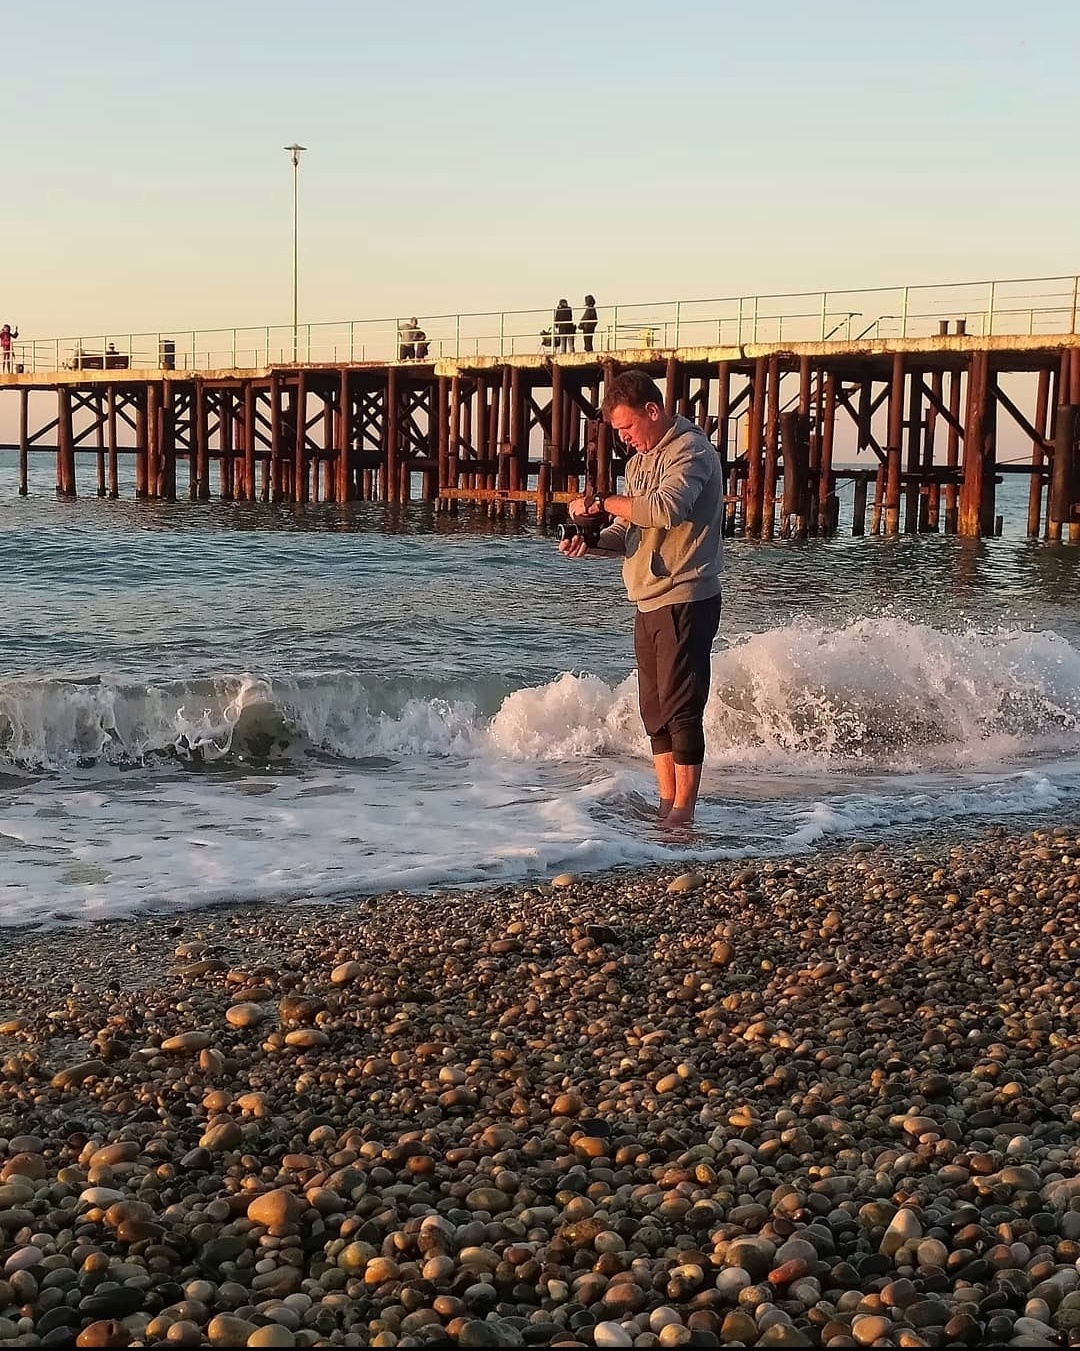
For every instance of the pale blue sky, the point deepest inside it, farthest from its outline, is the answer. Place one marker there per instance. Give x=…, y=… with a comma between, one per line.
x=488, y=155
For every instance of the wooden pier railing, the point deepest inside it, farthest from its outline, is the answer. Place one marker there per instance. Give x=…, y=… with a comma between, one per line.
x=511, y=432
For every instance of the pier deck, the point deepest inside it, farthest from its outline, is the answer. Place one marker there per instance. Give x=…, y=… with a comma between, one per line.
x=937, y=417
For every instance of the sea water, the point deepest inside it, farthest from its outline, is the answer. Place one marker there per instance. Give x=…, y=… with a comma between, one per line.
x=233, y=702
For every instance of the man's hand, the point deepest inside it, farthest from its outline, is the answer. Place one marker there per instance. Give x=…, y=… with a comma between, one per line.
x=584, y=506
x=579, y=508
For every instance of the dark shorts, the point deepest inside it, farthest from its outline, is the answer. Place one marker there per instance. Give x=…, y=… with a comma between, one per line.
x=673, y=647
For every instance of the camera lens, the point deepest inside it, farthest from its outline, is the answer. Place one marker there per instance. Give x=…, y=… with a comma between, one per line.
x=589, y=532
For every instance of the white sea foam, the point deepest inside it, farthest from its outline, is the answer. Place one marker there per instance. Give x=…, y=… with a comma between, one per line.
x=176, y=841
x=121, y=796
x=873, y=693
x=893, y=693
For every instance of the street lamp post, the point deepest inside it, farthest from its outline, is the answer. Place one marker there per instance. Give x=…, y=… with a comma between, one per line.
x=295, y=150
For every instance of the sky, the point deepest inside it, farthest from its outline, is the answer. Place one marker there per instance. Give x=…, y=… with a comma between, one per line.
x=485, y=156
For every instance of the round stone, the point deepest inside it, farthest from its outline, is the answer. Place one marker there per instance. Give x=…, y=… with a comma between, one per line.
x=273, y=1334
x=690, y=881
x=225, y=1329
x=306, y=1037
x=869, y=1329
x=488, y=1198
x=277, y=1207
x=187, y=1042
x=103, y=1332
x=103, y=1197
x=22, y=1258
x=611, y=1334
x=380, y=1270
x=903, y=1228
x=222, y=1134
x=355, y=1256
x=121, y=1151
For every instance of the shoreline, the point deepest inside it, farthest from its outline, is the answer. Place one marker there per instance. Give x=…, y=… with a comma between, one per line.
x=899, y=841
x=819, y=1100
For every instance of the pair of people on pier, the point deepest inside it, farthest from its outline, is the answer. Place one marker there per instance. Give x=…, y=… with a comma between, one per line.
x=413, y=342
x=563, y=327
x=667, y=528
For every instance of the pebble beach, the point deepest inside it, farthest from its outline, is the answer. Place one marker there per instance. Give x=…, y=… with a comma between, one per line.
x=828, y=1101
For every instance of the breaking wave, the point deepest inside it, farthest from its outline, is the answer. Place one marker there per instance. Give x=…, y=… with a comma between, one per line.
x=872, y=694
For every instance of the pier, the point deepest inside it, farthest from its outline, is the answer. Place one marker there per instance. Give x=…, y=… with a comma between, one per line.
x=927, y=391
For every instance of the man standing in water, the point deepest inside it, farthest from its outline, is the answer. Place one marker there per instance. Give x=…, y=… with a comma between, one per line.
x=667, y=528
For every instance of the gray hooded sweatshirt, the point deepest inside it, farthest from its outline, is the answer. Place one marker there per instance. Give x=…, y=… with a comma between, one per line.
x=672, y=545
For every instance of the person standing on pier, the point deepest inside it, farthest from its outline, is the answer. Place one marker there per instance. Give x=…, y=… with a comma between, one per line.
x=408, y=330
x=564, y=327
x=587, y=323
x=667, y=528
x=7, y=336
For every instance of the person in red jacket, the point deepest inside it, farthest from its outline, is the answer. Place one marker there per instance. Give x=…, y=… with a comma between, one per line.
x=7, y=335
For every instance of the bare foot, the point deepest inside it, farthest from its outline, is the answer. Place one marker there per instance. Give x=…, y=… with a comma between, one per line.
x=663, y=810
x=679, y=816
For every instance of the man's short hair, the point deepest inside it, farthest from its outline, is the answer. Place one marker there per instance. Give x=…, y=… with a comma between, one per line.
x=631, y=389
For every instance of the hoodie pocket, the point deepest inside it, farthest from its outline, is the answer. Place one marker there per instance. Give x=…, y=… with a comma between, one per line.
x=657, y=567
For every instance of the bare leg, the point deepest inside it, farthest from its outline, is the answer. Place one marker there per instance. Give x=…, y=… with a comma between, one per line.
x=664, y=765
x=687, y=783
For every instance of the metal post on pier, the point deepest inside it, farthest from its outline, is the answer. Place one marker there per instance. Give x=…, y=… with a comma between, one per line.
x=1062, y=482
x=772, y=447
x=65, y=457
x=1038, y=454
x=24, y=441
x=828, y=503
x=913, y=490
x=114, y=467
x=971, y=492
x=755, y=480
x=893, y=446
x=294, y=151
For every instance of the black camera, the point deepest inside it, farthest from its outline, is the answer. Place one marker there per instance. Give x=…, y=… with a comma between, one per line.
x=587, y=527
